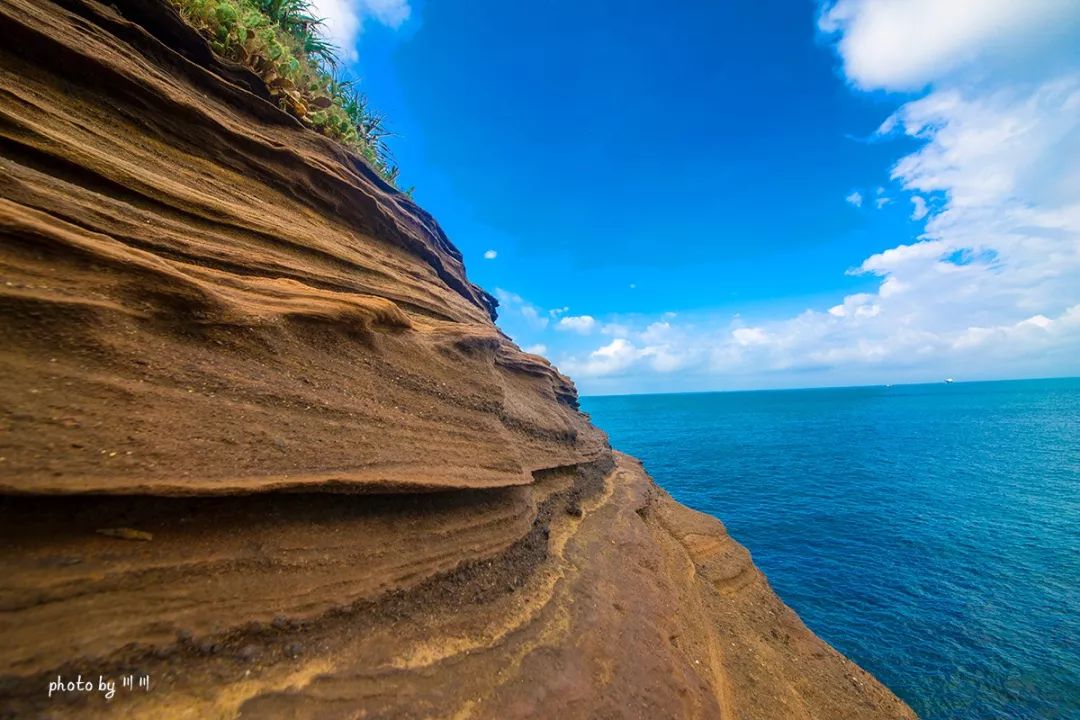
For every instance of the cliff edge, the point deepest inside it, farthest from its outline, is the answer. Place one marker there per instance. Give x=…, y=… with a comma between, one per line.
x=261, y=441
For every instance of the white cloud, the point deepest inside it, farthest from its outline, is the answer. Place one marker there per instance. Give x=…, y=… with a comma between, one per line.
x=616, y=329
x=749, y=336
x=389, y=12
x=859, y=305
x=907, y=44
x=344, y=19
x=537, y=349
x=605, y=360
x=622, y=354
x=657, y=333
x=919, y=209
x=490, y=254
x=1036, y=330
x=516, y=305
x=583, y=324
x=990, y=147
x=855, y=198
x=533, y=316
x=859, y=341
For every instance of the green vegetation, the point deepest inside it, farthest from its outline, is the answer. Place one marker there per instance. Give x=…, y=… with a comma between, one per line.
x=281, y=42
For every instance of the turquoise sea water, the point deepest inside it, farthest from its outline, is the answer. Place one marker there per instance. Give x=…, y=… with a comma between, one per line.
x=929, y=532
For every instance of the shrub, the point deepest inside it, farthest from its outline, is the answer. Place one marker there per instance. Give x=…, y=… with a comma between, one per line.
x=280, y=40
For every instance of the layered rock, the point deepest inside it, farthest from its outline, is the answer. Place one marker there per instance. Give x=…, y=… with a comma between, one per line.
x=225, y=333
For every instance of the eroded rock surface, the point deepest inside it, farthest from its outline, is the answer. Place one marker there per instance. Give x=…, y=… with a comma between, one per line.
x=351, y=495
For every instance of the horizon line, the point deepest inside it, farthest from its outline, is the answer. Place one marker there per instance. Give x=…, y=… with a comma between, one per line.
x=835, y=387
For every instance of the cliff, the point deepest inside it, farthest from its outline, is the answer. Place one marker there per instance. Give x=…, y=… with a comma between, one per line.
x=328, y=485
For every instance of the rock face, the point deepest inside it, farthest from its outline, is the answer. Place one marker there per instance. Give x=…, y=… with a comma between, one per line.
x=329, y=486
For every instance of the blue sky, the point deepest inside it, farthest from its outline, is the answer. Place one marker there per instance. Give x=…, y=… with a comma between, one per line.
x=753, y=193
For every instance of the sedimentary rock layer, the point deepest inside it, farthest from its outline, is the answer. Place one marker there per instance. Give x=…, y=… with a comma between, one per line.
x=589, y=593
x=328, y=485
x=207, y=298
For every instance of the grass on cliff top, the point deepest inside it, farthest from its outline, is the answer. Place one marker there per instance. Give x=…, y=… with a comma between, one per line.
x=280, y=40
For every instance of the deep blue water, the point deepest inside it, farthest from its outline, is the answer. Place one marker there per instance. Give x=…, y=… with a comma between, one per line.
x=929, y=532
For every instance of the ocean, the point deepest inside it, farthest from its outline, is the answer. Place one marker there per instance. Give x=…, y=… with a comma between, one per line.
x=931, y=533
